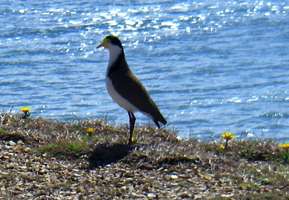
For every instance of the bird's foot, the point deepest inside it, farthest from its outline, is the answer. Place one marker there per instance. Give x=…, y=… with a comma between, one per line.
x=133, y=140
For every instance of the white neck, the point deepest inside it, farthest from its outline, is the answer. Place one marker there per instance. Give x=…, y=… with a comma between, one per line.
x=114, y=52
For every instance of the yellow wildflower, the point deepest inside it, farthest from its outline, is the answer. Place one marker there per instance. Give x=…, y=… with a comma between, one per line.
x=25, y=109
x=222, y=147
x=284, y=146
x=228, y=135
x=90, y=130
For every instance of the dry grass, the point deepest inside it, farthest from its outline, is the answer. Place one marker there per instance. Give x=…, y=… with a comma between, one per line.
x=54, y=160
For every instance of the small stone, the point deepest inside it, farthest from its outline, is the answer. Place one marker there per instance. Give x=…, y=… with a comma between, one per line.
x=5, y=157
x=227, y=195
x=11, y=143
x=185, y=195
x=134, y=194
x=130, y=188
x=151, y=195
x=173, y=176
x=20, y=142
x=26, y=149
x=198, y=196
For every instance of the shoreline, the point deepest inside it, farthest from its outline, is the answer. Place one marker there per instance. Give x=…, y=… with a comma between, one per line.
x=43, y=159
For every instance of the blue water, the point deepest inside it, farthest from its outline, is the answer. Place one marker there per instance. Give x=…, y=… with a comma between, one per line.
x=210, y=65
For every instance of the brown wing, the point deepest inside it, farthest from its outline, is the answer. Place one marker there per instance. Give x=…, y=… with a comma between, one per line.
x=136, y=94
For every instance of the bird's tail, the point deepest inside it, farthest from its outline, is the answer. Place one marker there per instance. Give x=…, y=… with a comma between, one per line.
x=160, y=119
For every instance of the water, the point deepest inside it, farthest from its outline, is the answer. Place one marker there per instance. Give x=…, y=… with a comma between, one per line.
x=210, y=65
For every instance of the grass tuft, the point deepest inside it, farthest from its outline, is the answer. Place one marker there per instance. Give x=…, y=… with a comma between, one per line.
x=66, y=148
x=5, y=135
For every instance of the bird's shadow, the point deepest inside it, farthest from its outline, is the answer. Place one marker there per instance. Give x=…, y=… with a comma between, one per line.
x=104, y=154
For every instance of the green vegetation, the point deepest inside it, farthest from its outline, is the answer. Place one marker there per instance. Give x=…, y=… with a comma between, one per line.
x=66, y=148
x=90, y=160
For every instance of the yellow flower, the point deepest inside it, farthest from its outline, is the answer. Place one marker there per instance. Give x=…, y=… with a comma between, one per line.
x=228, y=135
x=284, y=146
x=90, y=130
x=222, y=147
x=25, y=109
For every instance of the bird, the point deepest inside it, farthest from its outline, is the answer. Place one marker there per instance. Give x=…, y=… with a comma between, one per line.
x=125, y=88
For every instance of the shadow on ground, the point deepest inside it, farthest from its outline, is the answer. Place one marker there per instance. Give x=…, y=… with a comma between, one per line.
x=105, y=154
x=13, y=137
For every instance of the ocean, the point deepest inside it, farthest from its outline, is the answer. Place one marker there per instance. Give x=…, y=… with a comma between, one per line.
x=211, y=66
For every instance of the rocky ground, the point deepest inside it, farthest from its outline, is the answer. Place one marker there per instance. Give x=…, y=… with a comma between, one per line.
x=43, y=159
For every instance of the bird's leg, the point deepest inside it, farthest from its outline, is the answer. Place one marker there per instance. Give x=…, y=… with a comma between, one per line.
x=131, y=127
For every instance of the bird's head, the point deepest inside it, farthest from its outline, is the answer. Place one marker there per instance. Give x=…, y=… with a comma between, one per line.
x=110, y=41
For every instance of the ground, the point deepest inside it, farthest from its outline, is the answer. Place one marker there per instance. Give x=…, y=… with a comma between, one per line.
x=45, y=159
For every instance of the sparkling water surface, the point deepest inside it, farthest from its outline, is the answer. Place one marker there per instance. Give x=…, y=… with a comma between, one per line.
x=210, y=65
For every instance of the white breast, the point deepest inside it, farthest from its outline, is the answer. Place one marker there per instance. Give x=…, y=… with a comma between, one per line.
x=114, y=52
x=118, y=98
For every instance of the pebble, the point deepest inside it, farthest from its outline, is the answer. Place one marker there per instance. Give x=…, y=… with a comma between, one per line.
x=20, y=142
x=11, y=143
x=173, y=176
x=151, y=195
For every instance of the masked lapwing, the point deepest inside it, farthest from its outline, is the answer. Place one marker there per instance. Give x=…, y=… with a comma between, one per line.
x=125, y=88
